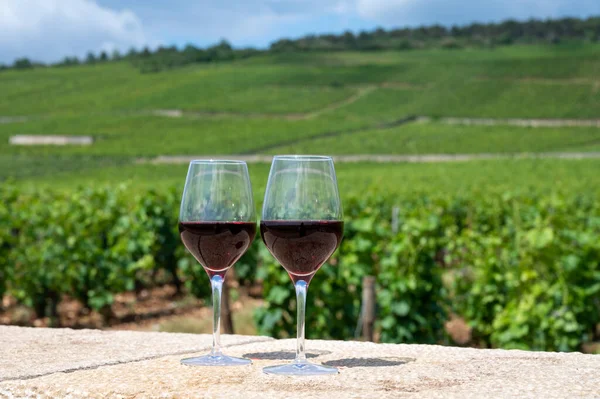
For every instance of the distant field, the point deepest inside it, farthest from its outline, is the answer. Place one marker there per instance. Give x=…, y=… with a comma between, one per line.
x=331, y=103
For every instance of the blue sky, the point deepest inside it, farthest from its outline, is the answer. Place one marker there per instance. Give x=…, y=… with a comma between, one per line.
x=48, y=30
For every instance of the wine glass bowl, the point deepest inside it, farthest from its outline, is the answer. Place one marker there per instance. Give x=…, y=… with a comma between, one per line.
x=302, y=226
x=217, y=223
x=302, y=247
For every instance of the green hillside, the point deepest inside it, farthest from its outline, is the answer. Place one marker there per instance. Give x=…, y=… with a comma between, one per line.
x=317, y=102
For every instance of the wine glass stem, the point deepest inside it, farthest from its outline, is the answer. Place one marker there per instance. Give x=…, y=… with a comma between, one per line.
x=216, y=282
x=301, y=288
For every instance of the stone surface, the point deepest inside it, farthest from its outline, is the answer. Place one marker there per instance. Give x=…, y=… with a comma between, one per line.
x=366, y=370
x=31, y=352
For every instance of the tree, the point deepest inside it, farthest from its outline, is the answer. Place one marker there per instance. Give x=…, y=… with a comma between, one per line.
x=349, y=40
x=221, y=51
x=90, y=58
x=116, y=55
x=432, y=36
x=132, y=53
x=283, y=45
x=146, y=52
x=23, y=63
x=68, y=61
x=103, y=56
x=193, y=54
x=379, y=32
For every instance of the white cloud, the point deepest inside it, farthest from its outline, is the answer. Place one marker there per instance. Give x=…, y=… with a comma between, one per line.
x=48, y=30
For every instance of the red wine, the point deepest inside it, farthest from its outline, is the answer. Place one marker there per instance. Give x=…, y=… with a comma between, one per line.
x=217, y=245
x=302, y=246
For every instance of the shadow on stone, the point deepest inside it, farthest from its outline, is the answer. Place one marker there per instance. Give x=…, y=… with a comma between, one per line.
x=369, y=362
x=282, y=355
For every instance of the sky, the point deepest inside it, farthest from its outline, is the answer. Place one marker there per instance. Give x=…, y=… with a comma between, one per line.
x=49, y=30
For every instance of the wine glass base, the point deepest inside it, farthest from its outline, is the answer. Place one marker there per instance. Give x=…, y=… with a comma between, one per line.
x=300, y=369
x=215, y=360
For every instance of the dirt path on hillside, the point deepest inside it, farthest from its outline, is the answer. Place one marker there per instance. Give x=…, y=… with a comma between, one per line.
x=521, y=122
x=548, y=82
x=178, y=113
x=332, y=107
x=331, y=133
x=383, y=158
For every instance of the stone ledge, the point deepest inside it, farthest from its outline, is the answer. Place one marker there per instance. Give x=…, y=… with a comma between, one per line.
x=33, y=352
x=366, y=369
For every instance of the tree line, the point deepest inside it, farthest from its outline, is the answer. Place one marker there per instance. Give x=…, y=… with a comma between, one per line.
x=508, y=32
x=533, y=31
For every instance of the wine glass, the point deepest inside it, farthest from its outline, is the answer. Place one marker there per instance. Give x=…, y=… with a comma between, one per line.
x=217, y=224
x=301, y=226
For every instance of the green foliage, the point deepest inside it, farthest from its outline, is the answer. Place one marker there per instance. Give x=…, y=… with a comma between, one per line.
x=522, y=270
x=412, y=297
x=7, y=236
x=156, y=213
x=528, y=271
x=89, y=244
x=93, y=243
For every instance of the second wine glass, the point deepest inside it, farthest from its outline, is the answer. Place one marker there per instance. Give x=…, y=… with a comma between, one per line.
x=217, y=224
x=302, y=226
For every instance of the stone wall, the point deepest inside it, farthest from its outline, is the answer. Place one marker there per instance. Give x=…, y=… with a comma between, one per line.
x=123, y=364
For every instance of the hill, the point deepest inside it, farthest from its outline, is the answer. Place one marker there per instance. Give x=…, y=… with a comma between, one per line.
x=336, y=103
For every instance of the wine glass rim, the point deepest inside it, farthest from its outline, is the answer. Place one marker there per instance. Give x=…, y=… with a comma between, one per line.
x=218, y=161
x=303, y=157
